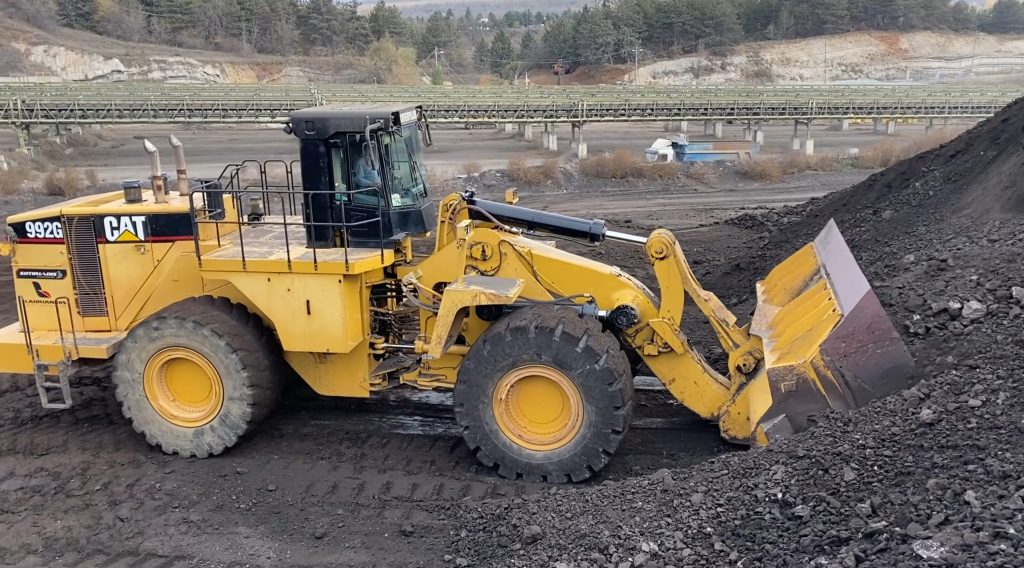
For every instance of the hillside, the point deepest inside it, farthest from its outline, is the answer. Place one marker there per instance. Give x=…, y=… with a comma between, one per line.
x=426, y=7
x=857, y=56
x=73, y=55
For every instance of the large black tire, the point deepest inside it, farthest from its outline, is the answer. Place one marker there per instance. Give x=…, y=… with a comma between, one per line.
x=578, y=347
x=245, y=354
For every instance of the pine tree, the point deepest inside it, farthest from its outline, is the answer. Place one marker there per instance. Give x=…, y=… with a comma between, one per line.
x=527, y=45
x=482, y=55
x=76, y=14
x=1007, y=17
x=502, y=54
x=386, y=21
x=820, y=17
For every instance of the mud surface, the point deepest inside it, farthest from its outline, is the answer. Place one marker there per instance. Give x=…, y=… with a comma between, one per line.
x=930, y=476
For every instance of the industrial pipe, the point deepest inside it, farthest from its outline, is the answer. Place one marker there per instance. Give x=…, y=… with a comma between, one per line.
x=179, y=164
x=155, y=176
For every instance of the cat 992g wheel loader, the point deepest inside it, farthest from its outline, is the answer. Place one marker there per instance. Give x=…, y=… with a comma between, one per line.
x=204, y=298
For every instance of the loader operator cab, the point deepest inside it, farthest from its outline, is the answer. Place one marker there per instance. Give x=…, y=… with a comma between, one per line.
x=363, y=180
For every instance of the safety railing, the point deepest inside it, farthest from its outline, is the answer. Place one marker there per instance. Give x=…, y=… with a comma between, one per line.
x=279, y=204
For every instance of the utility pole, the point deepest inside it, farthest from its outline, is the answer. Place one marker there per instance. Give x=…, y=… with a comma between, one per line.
x=636, y=64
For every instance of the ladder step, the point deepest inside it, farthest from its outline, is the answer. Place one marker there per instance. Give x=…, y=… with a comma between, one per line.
x=62, y=386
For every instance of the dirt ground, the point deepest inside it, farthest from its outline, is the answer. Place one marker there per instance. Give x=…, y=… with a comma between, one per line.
x=116, y=154
x=324, y=481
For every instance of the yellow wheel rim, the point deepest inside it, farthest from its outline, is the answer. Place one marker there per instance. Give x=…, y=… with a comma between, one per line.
x=183, y=387
x=538, y=407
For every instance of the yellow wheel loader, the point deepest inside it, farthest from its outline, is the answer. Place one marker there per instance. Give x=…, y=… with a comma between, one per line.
x=205, y=297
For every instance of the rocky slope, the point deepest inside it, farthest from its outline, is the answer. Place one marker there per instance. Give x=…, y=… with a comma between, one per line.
x=930, y=476
x=856, y=56
x=69, y=55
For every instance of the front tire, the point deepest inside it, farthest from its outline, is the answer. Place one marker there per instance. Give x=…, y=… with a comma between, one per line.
x=545, y=394
x=197, y=376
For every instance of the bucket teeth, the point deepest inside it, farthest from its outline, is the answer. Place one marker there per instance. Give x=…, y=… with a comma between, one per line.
x=828, y=343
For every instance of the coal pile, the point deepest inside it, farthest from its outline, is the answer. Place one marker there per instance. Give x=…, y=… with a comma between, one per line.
x=932, y=476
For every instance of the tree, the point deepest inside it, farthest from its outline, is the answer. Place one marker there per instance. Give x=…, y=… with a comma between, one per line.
x=386, y=21
x=963, y=17
x=1007, y=17
x=595, y=36
x=437, y=34
x=76, y=13
x=482, y=55
x=122, y=19
x=502, y=55
x=386, y=62
x=527, y=45
x=819, y=17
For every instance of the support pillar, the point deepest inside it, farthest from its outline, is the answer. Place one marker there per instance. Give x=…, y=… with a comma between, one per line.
x=748, y=134
x=844, y=125
x=797, y=143
x=684, y=126
x=24, y=138
x=878, y=125
x=808, y=147
x=759, y=137
x=890, y=127
x=708, y=128
x=931, y=126
x=581, y=150
x=508, y=128
x=545, y=141
x=553, y=141
x=527, y=132
x=718, y=129
x=3, y=163
x=75, y=129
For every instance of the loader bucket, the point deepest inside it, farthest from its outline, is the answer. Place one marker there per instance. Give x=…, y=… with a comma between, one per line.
x=828, y=343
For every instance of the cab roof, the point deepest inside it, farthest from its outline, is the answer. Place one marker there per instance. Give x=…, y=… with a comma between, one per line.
x=322, y=122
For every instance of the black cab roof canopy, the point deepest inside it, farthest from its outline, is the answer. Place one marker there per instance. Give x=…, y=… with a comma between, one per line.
x=323, y=122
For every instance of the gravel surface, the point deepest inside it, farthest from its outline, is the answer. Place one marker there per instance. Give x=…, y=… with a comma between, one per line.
x=931, y=476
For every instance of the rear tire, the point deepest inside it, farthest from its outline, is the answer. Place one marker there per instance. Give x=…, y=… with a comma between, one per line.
x=545, y=395
x=198, y=375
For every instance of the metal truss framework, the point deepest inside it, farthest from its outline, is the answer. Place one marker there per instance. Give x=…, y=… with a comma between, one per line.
x=139, y=103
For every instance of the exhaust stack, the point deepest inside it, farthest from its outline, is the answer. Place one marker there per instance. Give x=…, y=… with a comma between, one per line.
x=179, y=164
x=155, y=176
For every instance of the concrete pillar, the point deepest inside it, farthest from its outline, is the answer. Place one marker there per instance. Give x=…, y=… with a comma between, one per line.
x=684, y=126
x=708, y=128
x=759, y=137
x=797, y=143
x=878, y=125
x=808, y=147
x=890, y=127
x=718, y=129
x=3, y=163
x=545, y=139
x=527, y=132
x=553, y=141
x=931, y=126
x=796, y=129
x=748, y=134
x=509, y=128
x=581, y=150
x=24, y=133
x=844, y=125
x=75, y=129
